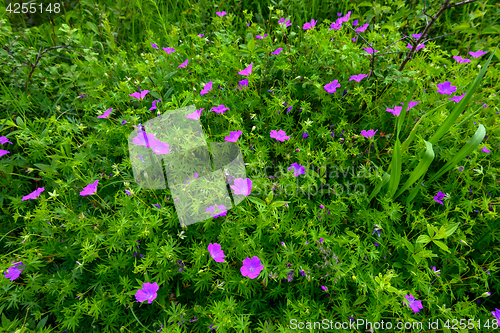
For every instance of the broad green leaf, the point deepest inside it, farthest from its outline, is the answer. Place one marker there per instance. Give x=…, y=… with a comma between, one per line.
x=251, y=45
x=446, y=125
x=256, y=200
x=451, y=229
x=424, y=239
x=395, y=168
x=278, y=203
x=385, y=179
x=352, y=234
x=420, y=170
x=442, y=245
x=468, y=148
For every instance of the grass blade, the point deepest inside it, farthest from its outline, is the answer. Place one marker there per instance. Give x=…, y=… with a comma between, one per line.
x=446, y=125
x=402, y=115
x=420, y=170
x=385, y=179
x=395, y=168
x=469, y=147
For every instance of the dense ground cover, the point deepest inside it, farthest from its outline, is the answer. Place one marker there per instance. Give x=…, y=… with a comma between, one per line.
x=372, y=177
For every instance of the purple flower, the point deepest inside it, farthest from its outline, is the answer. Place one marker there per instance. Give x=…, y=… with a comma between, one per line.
x=242, y=186
x=332, y=86
x=213, y=327
x=416, y=36
x=157, y=206
x=251, y=267
x=396, y=111
x=3, y=139
x=278, y=50
x=289, y=276
x=219, y=109
x=420, y=46
x=200, y=35
x=297, y=169
x=477, y=54
x=206, y=88
x=233, y=136
x=439, y=196
x=302, y=273
x=336, y=25
x=215, y=252
x=304, y=135
x=217, y=210
x=377, y=230
x=154, y=104
x=14, y=271
x=124, y=122
x=461, y=169
x=169, y=50
x=321, y=206
x=354, y=38
x=369, y=133
x=485, y=150
x=460, y=60
x=321, y=240
x=286, y=22
x=154, y=46
x=279, y=135
x=247, y=71
x=243, y=83
x=105, y=114
x=90, y=189
x=324, y=288
x=140, y=95
x=261, y=37
x=362, y=28
x=435, y=270
x=413, y=303
x=376, y=244
x=221, y=13
x=195, y=115
x=147, y=293
x=358, y=77
x=446, y=88
x=309, y=25
x=457, y=99
x=369, y=50
x=354, y=23
x=160, y=147
x=496, y=314
x=184, y=64
x=128, y=192
x=34, y=195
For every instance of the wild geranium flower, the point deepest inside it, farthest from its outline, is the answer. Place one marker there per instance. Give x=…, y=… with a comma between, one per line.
x=143, y=139
x=496, y=314
x=278, y=50
x=195, y=115
x=215, y=252
x=33, y=195
x=358, y=77
x=279, y=135
x=221, y=13
x=309, y=25
x=297, y=169
x=184, y=64
x=485, y=150
x=128, y=193
x=219, y=109
x=168, y=49
x=420, y=46
x=243, y=83
x=354, y=23
x=157, y=206
x=460, y=60
x=147, y=293
x=416, y=36
x=304, y=135
x=140, y=95
x=413, y=303
x=90, y=189
x=446, y=88
x=261, y=37
x=336, y=25
x=105, y=114
x=4, y=139
x=345, y=18
x=242, y=186
x=216, y=210
x=332, y=86
x=285, y=21
x=362, y=28
x=200, y=35
x=233, y=136
x=439, y=196
x=354, y=38
x=247, y=71
x=477, y=54
x=411, y=104
x=14, y=271
x=369, y=50
x=213, y=327
x=154, y=46
x=457, y=99
x=206, y=88
x=160, y=147
x=377, y=230
x=369, y=133
x=396, y=111
x=154, y=104
x=435, y=270
x=124, y=122
x=324, y=288
x=251, y=267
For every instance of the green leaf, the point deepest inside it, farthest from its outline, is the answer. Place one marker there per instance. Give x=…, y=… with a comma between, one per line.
x=402, y=115
x=186, y=101
x=420, y=170
x=451, y=229
x=446, y=125
x=251, y=45
x=395, y=168
x=423, y=239
x=257, y=201
x=442, y=246
x=352, y=234
x=414, y=192
x=278, y=203
x=42, y=322
x=93, y=27
x=385, y=179
x=468, y=148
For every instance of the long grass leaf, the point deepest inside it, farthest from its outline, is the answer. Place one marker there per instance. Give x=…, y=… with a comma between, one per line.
x=420, y=170
x=402, y=115
x=385, y=179
x=395, y=168
x=468, y=148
